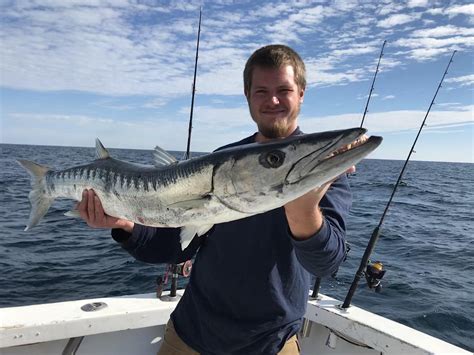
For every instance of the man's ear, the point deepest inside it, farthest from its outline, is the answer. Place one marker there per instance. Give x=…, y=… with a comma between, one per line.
x=302, y=95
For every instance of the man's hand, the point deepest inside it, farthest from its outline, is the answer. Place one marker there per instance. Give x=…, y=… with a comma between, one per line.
x=303, y=214
x=91, y=210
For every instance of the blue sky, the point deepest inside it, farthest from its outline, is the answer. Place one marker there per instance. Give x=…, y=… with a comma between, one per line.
x=122, y=71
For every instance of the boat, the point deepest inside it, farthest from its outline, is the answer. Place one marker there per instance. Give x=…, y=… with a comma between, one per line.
x=135, y=324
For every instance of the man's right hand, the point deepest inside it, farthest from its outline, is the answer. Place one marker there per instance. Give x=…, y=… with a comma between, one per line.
x=91, y=210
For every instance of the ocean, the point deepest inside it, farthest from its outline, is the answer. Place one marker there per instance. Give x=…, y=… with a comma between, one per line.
x=426, y=243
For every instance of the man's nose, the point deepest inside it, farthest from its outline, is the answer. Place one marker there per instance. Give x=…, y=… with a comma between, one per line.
x=275, y=100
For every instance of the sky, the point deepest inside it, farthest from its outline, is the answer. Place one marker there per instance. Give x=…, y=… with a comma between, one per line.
x=122, y=71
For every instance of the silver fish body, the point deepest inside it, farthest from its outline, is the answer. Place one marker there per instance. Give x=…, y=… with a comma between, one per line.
x=195, y=194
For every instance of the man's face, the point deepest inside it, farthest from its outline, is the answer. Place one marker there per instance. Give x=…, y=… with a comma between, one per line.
x=274, y=101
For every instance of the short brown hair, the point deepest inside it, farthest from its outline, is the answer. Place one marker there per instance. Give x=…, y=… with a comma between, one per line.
x=275, y=56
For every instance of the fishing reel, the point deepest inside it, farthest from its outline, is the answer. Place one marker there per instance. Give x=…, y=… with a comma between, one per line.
x=374, y=273
x=176, y=270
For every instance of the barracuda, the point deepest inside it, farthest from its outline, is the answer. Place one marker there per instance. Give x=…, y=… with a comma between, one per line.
x=195, y=194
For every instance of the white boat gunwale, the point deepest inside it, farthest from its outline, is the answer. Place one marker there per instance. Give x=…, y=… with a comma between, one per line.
x=352, y=328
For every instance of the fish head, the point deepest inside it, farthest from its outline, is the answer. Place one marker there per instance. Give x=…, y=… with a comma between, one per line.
x=258, y=176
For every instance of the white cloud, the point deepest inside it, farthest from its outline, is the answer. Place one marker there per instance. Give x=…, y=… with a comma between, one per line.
x=461, y=10
x=417, y=3
x=388, y=8
x=465, y=80
x=274, y=10
x=99, y=47
x=443, y=31
x=397, y=19
x=391, y=121
x=426, y=53
x=428, y=42
x=425, y=48
x=435, y=11
x=91, y=50
x=77, y=130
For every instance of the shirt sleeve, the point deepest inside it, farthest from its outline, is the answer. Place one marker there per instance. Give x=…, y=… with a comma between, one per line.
x=322, y=253
x=156, y=245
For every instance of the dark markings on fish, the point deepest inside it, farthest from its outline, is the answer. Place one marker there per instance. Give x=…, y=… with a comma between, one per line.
x=278, y=188
x=115, y=178
x=146, y=182
x=49, y=180
x=121, y=180
x=136, y=181
x=107, y=180
x=88, y=174
x=75, y=187
x=94, y=173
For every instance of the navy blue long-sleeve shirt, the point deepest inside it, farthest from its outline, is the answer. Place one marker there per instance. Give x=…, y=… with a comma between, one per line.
x=250, y=280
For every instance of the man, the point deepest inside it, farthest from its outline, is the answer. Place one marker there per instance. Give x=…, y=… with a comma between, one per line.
x=248, y=290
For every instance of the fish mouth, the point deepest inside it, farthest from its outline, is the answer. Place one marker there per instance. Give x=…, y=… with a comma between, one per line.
x=339, y=155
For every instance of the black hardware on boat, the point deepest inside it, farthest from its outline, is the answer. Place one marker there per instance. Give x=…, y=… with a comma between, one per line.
x=376, y=233
x=317, y=283
x=94, y=306
x=176, y=270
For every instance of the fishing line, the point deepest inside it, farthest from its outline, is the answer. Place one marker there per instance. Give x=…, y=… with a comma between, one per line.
x=376, y=233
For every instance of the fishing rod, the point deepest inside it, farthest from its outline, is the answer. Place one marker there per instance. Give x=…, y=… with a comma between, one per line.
x=317, y=283
x=372, y=86
x=375, y=272
x=185, y=268
x=193, y=89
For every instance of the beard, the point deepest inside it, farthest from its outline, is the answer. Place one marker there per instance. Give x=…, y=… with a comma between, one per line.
x=278, y=128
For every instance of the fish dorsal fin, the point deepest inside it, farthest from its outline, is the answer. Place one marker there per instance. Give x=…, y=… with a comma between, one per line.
x=100, y=151
x=161, y=157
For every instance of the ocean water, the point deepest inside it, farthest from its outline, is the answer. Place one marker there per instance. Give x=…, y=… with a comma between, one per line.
x=426, y=244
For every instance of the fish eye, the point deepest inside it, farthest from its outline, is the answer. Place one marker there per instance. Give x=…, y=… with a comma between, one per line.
x=273, y=159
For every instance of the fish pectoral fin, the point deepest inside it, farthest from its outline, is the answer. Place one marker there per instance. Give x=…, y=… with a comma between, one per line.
x=73, y=214
x=190, y=204
x=162, y=158
x=188, y=232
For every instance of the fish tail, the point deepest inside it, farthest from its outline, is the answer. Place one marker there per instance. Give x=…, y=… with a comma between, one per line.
x=40, y=202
